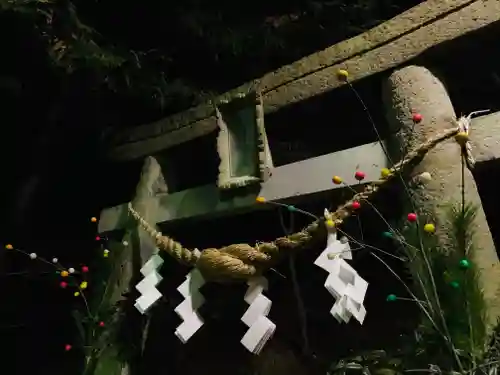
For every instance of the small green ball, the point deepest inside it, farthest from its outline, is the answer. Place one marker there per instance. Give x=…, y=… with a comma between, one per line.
x=291, y=208
x=391, y=298
x=387, y=234
x=464, y=263
x=455, y=284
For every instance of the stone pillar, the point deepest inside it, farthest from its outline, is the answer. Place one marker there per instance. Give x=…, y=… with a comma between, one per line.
x=414, y=88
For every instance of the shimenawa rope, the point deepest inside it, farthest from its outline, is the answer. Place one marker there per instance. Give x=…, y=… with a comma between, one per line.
x=243, y=261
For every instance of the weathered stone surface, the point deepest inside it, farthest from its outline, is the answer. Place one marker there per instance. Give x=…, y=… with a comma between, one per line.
x=379, y=49
x=416, y=88
x=485, y=137
x=291, y=181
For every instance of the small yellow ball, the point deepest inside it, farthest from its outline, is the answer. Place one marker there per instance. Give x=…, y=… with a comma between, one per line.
x=385, y=172
x=76, y=294
x=331, y=256
x=342, y=74
x=260, y=200
x=462, y=138
x=337, y=180
x=330, y=223
x=9, y=246
x=83, y=285
x=429, y=228
x=64, y=273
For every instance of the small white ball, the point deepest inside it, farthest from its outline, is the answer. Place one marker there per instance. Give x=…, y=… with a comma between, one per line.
x=106, y=251
x=344, y=240
x=55, y=260
x=425, y=177
x=125, y=243
x=71, y=270
x=33, y=256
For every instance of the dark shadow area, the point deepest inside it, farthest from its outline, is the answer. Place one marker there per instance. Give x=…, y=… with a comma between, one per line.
x=327, y=123
x=484, y=174
x=469, y=66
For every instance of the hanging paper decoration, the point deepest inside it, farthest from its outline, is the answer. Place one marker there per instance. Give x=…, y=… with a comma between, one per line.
x=343, y=282
x=187, y=310
x=261, y=328
x=147, y=287
x=349, y=290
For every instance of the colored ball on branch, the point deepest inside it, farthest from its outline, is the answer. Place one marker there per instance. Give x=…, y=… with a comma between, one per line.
x=337, y=180
x=260, y=200
x=67, y=347
x=412, y=217
x=464, y=263
x=101, y=324
x=387, y=234
x=64, y=273
x=85, y=269
x=429, y=228
x=356, y=205
x=93, y=219
x=291, y=208
x=454, y=284
x=462, y=138
x=385, y=172
x=63, y=284
x=342, y=74
x=417, y=118
x=9, y=246
x=391, y=298
x=360, y=176
x=425, y=177
x=330, y=224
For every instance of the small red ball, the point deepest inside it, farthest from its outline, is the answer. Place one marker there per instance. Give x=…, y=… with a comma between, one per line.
x=412, y=217
x=67, y=347
x=97, y=238
x=63, y=284
x=417, y=117
x=85, y=269
x=356, y=205
x=359, y=175
x=101, y=324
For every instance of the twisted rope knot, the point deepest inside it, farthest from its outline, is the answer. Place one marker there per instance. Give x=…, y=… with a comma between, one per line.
x=238, y=261
x=464, y=123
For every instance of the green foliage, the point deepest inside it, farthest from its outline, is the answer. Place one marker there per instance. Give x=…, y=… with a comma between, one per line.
x=376, y=362
x=446, y=280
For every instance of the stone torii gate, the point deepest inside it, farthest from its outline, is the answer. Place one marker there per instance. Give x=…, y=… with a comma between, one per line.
x=246, y=160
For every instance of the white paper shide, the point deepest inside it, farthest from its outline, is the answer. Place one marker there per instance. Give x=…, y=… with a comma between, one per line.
x=260, y=328
x=343, y=282
x=147, y=286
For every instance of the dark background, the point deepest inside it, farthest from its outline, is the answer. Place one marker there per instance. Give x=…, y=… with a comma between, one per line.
x=128, y=64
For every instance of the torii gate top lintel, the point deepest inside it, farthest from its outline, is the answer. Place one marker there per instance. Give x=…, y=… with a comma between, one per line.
x=382, y=48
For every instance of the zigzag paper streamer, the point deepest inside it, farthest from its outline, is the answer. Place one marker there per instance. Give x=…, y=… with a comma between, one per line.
x=147, y=286
x=343, y=282
x=261, y=328
x=349, y=290
x=187, y=310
